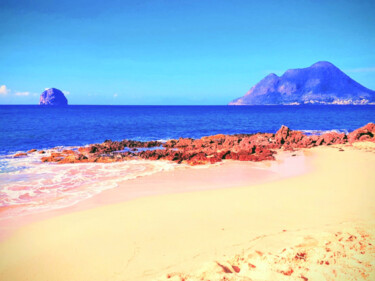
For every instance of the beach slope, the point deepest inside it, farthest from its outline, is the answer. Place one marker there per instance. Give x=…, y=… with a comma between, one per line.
x=213, y=234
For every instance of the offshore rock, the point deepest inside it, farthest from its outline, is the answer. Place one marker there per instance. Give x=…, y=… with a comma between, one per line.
x=53, y=97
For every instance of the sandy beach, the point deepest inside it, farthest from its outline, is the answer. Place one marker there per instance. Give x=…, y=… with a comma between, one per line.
x=309, y=219
x=187, y=140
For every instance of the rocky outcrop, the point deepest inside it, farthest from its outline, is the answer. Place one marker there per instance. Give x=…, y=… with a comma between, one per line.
x=21, y=154
x=209, y=150
x=365, y=133
x=53, y=97
x=321, y=83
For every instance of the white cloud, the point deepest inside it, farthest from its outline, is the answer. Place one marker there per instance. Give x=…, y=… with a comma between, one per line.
x=361, y=70
x=3, y=90
x=22, y=94
x=66, y=92
x=115, y=95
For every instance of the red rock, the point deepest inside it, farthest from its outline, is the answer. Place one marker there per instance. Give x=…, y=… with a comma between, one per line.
x=245, y=156
x=246, y=144
x=32, y=150
x=170, y=143
x=282, y=134
x=197, y=159
x=153, y=154
x=211, y=149
x=41, y=152
x=214, y=138
x=364, y=138
x=152, y=144
x=319, y=141
x=230, y=155
x=198, y=143
x=67, y=159
x=175, y=156
x=295, y=137
x=18, y=155
x=73, y=158
x=214, y=159
x=84, y=149
x=314, y=138
x=368, y=130
x=334, y=138
x=307, y=142
x=56, y=154
x=223, y=154
x=184, y=142
x=55, y=157
x=230, y=141
x=48, y=159
x=94, y=149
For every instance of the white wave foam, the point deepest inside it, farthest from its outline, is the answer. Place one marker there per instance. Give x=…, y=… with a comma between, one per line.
x=321, y=132
x=32, y=186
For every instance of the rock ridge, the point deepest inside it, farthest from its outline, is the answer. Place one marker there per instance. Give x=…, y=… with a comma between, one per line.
x=207, y=150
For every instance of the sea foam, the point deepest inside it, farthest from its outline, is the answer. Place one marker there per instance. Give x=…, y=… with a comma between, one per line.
x=28, y=185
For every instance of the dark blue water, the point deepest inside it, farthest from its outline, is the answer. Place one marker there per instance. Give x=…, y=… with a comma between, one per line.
x=26, y=127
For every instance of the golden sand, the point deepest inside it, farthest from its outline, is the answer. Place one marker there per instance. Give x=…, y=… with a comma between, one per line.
x=315, y=226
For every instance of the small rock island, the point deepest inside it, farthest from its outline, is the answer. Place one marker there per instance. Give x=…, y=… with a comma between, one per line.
x=53, y=97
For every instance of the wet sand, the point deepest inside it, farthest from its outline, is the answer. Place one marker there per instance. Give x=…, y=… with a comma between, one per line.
x=183, y=179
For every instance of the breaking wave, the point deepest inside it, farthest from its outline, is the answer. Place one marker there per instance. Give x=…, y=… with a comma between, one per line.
x=28, y=185
x=321, y=132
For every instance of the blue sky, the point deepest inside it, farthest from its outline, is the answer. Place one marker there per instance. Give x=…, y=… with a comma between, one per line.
x=174, y=52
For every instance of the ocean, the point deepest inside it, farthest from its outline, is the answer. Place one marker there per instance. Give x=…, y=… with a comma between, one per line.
x=24, y=127
x=27, y=185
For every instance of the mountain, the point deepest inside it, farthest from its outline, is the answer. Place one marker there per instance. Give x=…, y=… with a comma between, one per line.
x=321, y=83
x=53, y=97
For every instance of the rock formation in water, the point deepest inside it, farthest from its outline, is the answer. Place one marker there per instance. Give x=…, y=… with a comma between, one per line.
x=321, y=83
x=211, y=149
x=53, y=97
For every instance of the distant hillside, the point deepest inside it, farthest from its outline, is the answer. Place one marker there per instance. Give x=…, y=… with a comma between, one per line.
x=321, y=83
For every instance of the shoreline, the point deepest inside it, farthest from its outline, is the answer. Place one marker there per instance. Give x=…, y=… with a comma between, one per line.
x=191, y=179
x=206, y=150
x=176, y=234
x=37, y=185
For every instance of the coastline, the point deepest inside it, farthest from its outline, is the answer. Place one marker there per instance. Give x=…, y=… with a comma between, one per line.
x=33, y=184
x=154, y=236
x=189, y=179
